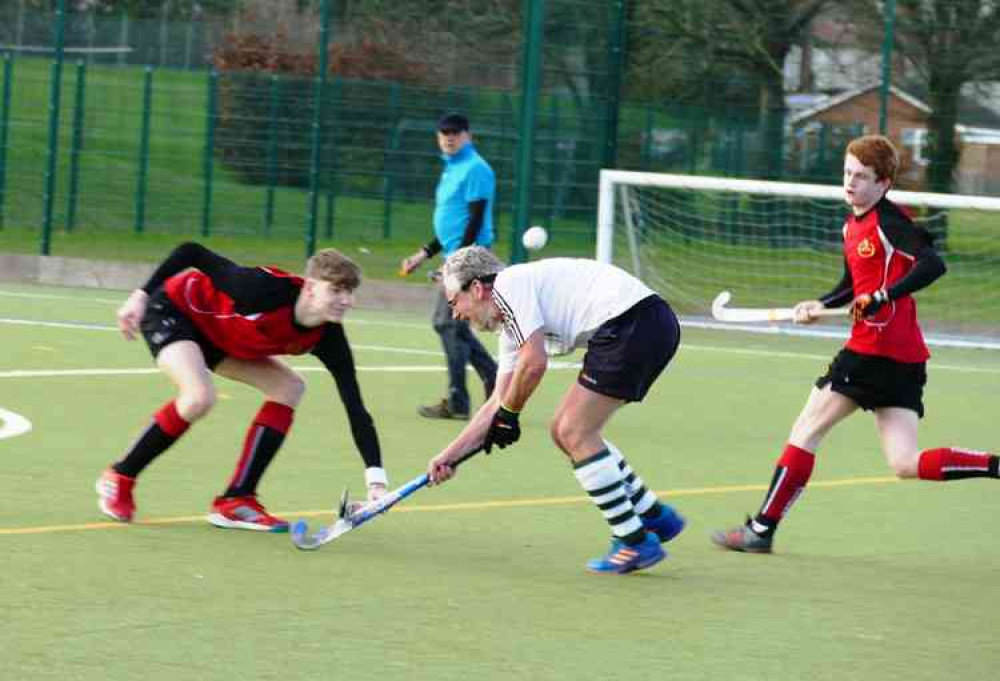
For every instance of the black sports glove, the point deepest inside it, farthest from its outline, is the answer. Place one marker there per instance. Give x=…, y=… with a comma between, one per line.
x=504, y=430
x=867, y=304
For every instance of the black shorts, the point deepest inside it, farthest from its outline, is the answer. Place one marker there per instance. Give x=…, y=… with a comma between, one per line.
x=164, y=324
x=627, y=354
x=874, y=382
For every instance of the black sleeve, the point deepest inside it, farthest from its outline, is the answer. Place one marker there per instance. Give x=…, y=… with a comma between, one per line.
x=842, y=293
x=926, y=269
x=477, y=213
x=252, y=289
x=189, y=255
x=432, y=248
x=335, y=353
x=915, y=242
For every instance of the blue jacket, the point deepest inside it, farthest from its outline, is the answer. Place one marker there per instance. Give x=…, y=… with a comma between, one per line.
x=467, y=177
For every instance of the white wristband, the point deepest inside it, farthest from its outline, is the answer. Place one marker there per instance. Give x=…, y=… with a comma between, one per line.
x=376, y=476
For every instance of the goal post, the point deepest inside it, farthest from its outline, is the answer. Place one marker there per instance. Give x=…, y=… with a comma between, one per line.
x=775, y=243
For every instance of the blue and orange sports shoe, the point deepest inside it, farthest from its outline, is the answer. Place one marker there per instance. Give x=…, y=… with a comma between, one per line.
x=244, y=513
x=622, y=558
x=667, y=525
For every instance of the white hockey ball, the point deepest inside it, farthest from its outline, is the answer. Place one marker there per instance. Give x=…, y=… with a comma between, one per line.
x=535, y=238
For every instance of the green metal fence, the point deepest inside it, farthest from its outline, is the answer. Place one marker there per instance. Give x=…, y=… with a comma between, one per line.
x=124, y=119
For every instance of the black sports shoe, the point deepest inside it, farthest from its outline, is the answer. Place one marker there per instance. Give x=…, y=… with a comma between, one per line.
x=744, y=539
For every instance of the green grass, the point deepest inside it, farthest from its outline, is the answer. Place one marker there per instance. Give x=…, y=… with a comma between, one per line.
x=483, y=578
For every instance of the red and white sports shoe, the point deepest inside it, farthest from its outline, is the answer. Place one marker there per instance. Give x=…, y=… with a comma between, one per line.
x=244, y=513
x=114, y=495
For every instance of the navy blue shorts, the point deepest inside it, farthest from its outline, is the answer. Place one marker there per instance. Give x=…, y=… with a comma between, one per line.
x=627, y=354
x=164, y=324
x=874, y=382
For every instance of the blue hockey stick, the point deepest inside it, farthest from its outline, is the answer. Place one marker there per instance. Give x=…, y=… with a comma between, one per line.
x=345, y=522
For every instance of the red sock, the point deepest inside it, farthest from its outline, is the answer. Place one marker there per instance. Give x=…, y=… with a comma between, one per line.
x=265, y=436
x=790, y=477
x=951, y=463
x=169, y=421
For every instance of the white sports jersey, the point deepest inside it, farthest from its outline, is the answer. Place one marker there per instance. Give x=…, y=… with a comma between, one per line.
x=566, y=297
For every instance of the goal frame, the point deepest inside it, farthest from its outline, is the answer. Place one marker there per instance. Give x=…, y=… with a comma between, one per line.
x=610, y=179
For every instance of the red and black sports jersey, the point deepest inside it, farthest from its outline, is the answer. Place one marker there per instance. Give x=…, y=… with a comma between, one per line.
x=880, y=250
x=249, y=313
x=251, y=319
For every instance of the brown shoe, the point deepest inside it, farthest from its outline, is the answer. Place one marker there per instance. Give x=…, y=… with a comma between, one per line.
x=441, y=410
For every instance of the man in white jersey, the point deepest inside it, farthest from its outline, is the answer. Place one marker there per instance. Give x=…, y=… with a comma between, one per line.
x=630, y=334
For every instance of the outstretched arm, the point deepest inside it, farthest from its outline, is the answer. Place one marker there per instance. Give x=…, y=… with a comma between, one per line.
x=335, y=353
x=440, y=468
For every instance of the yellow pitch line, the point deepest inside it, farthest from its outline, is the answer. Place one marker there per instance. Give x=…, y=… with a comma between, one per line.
x=468, y=506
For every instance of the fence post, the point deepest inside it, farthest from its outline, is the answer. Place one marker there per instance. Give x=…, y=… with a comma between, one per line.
x=530, y=80
x=53, y=147
x=8, y=85
x=555, y=165
x=210, y=116
x=332, y=165
x=140, y=192
x=388, y=178
x=77, y=144
x=123, y=37
x=316, y=155
x=19, y=31
x=616, y=64
x=272, y=152
x=645, y=154
x=188, y=40
x=887, y=41
x=163, y=34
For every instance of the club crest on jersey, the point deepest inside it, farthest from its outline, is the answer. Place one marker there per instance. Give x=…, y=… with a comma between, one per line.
x=866, y=248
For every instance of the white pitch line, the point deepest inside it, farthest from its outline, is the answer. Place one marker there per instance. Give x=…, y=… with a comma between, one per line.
x=12, y=425
x=49, y=296
x=73, y=373
x=932, y=366
x=58, y=325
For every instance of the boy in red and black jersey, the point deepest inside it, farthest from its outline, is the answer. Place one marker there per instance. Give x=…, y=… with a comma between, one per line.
x=882, y=366
x=201, y=313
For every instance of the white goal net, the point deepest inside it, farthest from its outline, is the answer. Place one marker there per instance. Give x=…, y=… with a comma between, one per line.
x=775, y=243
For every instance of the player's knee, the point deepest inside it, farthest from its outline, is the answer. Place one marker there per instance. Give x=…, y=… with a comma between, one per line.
x=558, y=432
x=293, y=390
x=567, y=435
x=194, y=404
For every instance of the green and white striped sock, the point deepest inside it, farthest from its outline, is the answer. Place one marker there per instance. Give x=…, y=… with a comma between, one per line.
x=602, y=479
x=643, y=500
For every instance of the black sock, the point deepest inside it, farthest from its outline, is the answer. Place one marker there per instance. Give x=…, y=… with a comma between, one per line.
x=153, y=442
x=261, y=446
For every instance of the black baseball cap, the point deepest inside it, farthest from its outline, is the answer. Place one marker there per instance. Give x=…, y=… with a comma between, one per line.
x=453, y=122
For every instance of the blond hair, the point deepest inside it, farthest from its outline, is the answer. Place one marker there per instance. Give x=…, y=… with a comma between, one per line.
x=876, y=152
x=469, y=263
x=332, y=266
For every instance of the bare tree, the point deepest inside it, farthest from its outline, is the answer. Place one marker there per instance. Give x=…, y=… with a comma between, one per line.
x=948, y=43
x=694, y=40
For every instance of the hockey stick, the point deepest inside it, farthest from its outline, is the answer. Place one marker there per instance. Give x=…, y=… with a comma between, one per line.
x=763, y=314
x=344, y=522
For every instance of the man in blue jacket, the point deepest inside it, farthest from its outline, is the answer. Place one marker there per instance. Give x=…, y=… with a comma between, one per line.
x=463, y=216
